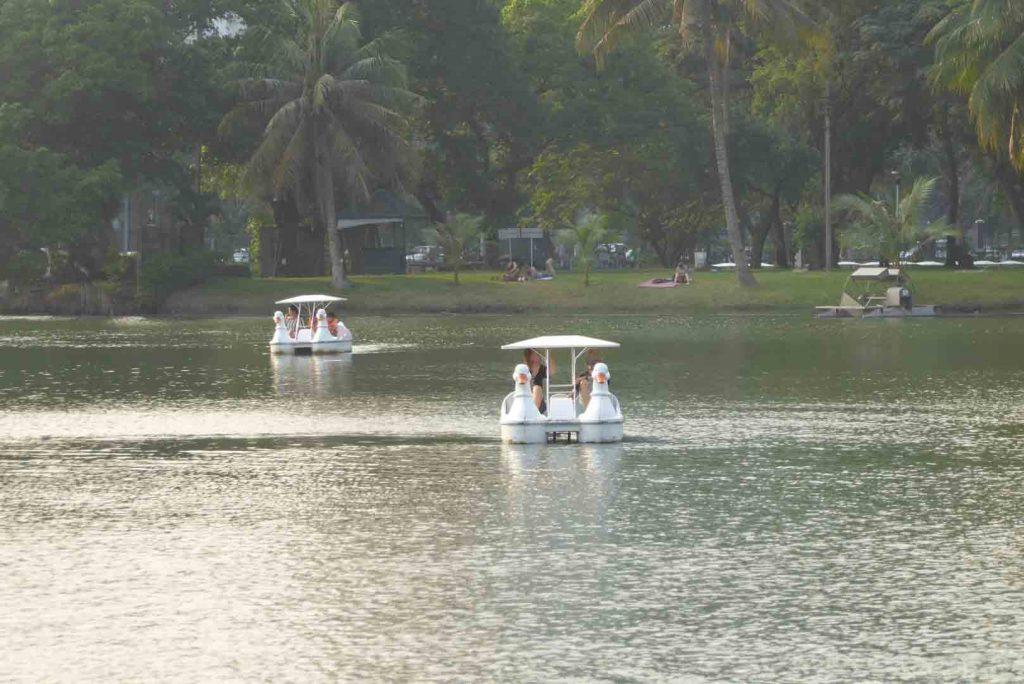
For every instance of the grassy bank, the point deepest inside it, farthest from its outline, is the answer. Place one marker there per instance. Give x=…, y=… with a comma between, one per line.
x=609, y=292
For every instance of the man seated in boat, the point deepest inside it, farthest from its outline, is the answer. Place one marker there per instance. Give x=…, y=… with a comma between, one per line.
x=332, y=323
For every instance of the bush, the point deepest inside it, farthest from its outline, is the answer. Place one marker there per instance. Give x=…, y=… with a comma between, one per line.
x=234, y=270
x=120, y=269
x=25, y=268
x=163, y=274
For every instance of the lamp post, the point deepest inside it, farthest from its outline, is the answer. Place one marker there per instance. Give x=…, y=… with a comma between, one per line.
x=828, y=177
x=896, y=177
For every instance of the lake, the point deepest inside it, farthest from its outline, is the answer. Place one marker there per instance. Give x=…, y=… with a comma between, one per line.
x=795, y=499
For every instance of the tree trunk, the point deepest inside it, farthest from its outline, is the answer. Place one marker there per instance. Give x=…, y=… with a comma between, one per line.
x=719, y=126
x=328, y=218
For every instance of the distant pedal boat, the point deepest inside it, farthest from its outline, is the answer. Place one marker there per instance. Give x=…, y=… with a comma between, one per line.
x=600, y=421
x=301, y=339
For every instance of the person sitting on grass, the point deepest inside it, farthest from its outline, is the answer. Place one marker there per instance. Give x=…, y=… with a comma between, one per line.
x=511, y=273
x=682, y=275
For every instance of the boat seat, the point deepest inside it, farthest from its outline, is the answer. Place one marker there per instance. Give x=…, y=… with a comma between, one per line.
x=304, y=335
x=561, y=409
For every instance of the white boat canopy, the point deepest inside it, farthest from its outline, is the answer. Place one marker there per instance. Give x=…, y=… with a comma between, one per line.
x=311, y=299
x=562, y=342
x=875, y=273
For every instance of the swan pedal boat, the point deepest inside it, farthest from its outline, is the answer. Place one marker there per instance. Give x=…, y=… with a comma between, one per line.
x=566, y=417
x=303, y=340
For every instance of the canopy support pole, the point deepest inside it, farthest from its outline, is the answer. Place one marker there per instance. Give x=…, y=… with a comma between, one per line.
x=547, y=379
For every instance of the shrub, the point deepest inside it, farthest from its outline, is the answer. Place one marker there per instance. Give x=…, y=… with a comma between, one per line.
x=234, y=270
x=25, y=268
x=163, y=274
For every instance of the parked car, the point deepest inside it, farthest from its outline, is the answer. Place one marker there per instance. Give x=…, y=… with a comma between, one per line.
x=614, y=255
x=425, y=255
x=241, y=256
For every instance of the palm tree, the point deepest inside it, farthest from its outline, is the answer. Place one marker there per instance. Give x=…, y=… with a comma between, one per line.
x=979, y=50
x=455, y=235
x=709, y=28
x=337, y=116
x=878, y=224
x=584, y=237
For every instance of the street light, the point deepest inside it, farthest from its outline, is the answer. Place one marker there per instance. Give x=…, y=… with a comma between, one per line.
x=896, y=177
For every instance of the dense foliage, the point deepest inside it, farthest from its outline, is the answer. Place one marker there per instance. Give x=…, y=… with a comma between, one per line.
x=677, y=126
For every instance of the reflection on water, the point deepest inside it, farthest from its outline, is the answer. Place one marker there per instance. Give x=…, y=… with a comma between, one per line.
x=327, y=376
x=793, y=501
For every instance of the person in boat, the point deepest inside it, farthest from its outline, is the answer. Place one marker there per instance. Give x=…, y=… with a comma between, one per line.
x=332, y=323
x=291, y=319
x=583, y=381
x=539, y=374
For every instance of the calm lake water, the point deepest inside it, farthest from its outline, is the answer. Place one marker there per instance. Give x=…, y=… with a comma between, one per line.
x=795, y=499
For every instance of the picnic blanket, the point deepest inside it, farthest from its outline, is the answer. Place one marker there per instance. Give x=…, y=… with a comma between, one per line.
x=659, y=283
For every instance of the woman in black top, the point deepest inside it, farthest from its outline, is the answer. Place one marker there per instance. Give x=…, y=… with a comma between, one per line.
x=538, y=374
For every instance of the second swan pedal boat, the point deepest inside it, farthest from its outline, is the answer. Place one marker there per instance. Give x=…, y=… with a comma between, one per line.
x=302, y=336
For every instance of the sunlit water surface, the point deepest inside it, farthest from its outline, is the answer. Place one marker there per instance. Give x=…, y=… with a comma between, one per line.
x=795, y=500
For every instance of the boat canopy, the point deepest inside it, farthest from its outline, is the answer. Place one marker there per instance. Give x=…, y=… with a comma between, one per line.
x=311, y=299
x=561, y=342
x=876, y=273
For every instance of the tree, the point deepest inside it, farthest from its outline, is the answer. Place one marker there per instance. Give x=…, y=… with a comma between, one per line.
x=584, y=237
x=455, y=236
x=480, y=122
x=893, y=230
x=338, y=116
x=979, y=50
x=119, y=91
x=710, y=28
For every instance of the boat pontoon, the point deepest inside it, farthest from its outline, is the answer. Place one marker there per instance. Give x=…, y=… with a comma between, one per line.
x=308, y=332
x=565, y=415
x=875, y=292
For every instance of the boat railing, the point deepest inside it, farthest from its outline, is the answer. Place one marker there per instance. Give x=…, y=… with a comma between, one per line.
x=506, y=403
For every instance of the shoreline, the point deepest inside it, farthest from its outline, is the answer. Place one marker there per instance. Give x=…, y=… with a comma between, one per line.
x=954, y=293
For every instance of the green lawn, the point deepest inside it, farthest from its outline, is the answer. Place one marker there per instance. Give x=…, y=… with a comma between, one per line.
x=609, y=292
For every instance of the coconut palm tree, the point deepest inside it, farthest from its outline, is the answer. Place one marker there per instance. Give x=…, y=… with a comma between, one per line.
x=337, y=116
x=459, y=231
x=709, y=28
x=879, y=224
x=583, y=238
x=979, y=52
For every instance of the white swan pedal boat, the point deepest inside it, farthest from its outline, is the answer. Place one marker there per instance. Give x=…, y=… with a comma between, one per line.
x=301, y=336
x=565, y=415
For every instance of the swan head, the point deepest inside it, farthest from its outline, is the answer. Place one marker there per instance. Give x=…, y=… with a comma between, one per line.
x=600, y=373
x=521, y=375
